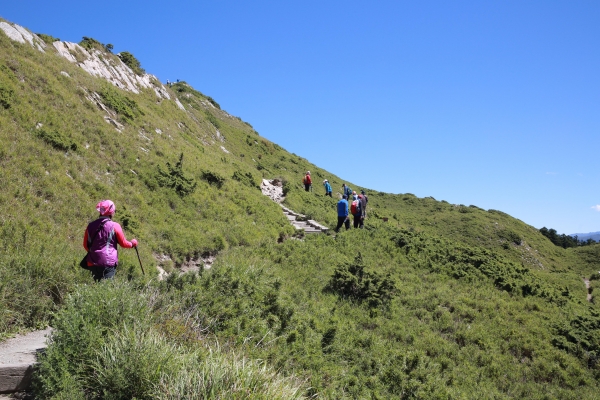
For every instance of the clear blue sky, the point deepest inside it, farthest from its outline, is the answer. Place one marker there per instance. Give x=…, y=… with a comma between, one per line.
x=491, y=103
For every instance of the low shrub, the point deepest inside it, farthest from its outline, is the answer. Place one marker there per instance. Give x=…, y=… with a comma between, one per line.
x=89, y=43
x=354, y=282
x=47, y=38
x=510, y=236
x=212, y=119
x=245, y=178
x=56, y=140
x=110, y=342
x=132, y=62
x=6, y=96
x=127, y=109
x=213, y=178
x=175, y=179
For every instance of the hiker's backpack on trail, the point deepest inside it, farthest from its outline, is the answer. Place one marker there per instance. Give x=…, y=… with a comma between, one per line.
x=307, y=180
x=355, y=207
x=348, y=192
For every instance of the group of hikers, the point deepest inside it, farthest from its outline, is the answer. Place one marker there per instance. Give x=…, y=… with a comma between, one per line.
x=350, y=203
x=102, y=235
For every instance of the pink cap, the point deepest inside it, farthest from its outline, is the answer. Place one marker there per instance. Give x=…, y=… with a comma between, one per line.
x=105, y=208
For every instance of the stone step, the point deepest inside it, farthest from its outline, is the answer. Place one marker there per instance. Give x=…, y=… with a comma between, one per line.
x=17, y=357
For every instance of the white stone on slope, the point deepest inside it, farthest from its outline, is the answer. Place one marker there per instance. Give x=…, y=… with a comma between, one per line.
x=11, y=32
x=26, y=34
x=63, y=50
x=22, y=35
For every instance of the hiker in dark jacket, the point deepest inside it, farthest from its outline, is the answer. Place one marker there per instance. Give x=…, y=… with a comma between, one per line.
x=363, y=208
x=366, y=200
x=100, y=240
x=342, y=210
x=327, y=188
x=347, y=191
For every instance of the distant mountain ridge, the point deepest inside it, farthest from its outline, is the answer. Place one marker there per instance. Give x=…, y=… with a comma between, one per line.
x=585, y=236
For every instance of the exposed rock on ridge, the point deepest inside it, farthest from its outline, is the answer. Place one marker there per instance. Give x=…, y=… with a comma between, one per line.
x=94, y=62
x=22, y=35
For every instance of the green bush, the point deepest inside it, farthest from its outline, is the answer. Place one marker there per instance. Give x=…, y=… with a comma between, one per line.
x=127, y=109
x=90, y=317
x=56, y=140
x=47, y=38
x=6, y=96
x=213, y=178
x=89, y=43
x=212, y=119
x=245, y=178
x=510, y=236
x=580, y=336
x=354, y=282
x=175, y=179
x=106, y=345
x=132, y=62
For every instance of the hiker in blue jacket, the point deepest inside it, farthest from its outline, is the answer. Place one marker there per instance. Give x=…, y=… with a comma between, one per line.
x=327, y=188
x=342, y=210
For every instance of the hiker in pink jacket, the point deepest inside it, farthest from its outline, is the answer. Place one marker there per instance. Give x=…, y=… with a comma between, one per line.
x=100, y=240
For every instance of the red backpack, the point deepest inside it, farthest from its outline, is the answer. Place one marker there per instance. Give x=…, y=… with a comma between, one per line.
x=307, y=180
x=355, y=206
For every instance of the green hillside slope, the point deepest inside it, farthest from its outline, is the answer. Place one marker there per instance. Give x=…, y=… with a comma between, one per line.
x=430, y=300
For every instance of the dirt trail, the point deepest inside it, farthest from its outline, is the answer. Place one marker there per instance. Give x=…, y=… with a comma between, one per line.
x=588, y=287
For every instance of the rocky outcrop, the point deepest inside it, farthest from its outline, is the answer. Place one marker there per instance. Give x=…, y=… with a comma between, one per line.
x=22, y=35
x=94, y=62
x=109, y=67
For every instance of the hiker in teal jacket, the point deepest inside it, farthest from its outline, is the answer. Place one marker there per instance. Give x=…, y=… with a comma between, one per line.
x=327, y=188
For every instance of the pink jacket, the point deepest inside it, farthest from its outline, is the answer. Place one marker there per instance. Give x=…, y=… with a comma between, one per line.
x=103, y=251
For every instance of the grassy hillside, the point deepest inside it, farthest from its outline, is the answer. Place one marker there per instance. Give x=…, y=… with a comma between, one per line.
x=431, y=300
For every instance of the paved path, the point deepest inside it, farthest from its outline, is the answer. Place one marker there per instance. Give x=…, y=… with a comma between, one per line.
x=17, y=356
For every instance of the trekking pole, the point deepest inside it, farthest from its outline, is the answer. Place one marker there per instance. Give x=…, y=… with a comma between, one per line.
x=138, y=254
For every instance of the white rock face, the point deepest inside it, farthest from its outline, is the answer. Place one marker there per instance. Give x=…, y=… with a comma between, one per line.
x=94, y=62
x=22, y=35
x=11, y=32
x=63, y=50
x=179, y=104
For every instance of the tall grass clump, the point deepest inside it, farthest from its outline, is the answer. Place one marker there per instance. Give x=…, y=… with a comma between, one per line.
x=35, y=276
x=232, y=377
x=108, y=343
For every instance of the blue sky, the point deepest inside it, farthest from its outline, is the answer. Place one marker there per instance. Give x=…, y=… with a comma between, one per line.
x=490, y=103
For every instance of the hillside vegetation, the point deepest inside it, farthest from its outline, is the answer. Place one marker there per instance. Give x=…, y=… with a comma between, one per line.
x=430, y=300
